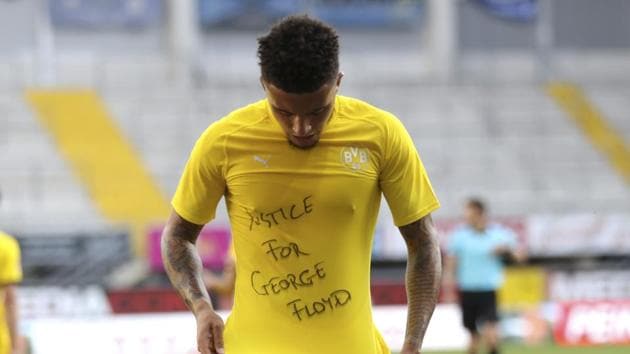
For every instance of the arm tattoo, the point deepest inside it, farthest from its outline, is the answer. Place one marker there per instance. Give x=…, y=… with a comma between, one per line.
x=423, y=274
x=182, y=261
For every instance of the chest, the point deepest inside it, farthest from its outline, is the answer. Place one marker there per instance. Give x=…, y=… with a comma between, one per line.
x=478, y=245
x=276, y=181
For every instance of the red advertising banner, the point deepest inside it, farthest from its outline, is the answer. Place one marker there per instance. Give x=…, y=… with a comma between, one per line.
x=593, y=322
x=145, y=301
x=388, y=293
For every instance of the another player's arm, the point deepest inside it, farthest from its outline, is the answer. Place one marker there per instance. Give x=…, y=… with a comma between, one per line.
x=223, y=284
x=423, y=274
x=449, y=279
x=518, y=255
x=10, y=303
x=514, y=252
x=184, y=269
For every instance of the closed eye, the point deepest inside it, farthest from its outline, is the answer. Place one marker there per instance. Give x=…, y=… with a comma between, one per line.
x=319, y=111
x=284, y=113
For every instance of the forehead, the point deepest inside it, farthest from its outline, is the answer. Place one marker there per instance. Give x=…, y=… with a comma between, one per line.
x=302, y=102
x=472, y=209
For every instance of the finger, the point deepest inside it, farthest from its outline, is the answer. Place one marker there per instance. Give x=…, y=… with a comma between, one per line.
x=210, y=344
x=203, y=344
x=218, y=338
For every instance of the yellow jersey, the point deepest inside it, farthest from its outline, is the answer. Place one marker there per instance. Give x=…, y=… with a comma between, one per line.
x=10, y=273
x=303, y=222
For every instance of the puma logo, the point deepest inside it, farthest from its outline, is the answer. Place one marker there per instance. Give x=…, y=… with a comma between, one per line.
x=261, y=160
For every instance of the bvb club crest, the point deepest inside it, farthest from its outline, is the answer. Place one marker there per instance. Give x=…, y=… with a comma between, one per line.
x=354, y=158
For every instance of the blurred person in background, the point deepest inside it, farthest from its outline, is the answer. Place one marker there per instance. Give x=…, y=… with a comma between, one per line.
x=303, y=172
x=476, y=253
x=10, y=275
x=222, y=284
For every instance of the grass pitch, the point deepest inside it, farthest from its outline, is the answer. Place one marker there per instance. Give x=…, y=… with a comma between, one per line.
x=551, y=349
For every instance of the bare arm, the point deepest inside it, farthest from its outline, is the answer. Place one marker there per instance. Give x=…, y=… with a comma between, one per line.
x=422, y=279
x=449, y=279
x=12, y=315
x=184, y=269
x=182, y=261
x=518, y=254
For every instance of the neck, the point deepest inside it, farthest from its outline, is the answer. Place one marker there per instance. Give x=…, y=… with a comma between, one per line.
x=479, y=225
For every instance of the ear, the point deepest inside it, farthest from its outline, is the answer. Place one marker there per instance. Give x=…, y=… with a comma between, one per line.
x=339, y=77
x=262, y=83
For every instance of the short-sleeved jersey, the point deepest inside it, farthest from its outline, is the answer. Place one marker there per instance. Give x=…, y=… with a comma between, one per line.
x=10, y=273
x=478, y=268
x=10, y=267
x=303, y=221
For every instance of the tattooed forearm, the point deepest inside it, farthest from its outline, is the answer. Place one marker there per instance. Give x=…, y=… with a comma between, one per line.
x=422, y=278
x=182, y=261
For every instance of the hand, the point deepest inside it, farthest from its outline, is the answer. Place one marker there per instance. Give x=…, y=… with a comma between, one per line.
x=209, y=330
x=520, y=255
x=502, y=250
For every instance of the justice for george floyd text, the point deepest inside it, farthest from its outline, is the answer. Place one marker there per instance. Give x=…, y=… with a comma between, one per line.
x=269, y=285
x=278, y=216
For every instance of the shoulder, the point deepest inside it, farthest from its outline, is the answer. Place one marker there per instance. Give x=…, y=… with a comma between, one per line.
x=236, y=120
x=461, y=229
x=497, y=228
x=459, y=232
x=358, y=110
x=456, y=239
x=500, y=231
x=8, y=242
x=251, y=113
x=385, y=128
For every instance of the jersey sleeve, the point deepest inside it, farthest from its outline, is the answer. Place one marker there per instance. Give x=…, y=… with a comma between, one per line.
x=403, y=179
x=203, y=182
x=10, y=265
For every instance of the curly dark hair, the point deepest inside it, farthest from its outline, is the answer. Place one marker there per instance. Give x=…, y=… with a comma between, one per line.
x=477, y=204
x=299, y=54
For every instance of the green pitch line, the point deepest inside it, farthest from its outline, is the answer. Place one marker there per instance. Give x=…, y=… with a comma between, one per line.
x=552, y=349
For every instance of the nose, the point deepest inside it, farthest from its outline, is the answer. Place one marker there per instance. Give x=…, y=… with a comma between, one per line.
x=301, y=127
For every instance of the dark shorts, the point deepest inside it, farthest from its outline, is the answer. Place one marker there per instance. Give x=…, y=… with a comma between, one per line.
x=478, y=307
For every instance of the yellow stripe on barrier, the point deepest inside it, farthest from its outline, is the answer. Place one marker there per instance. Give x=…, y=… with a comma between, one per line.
x=601, y=134
x=101, y=156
